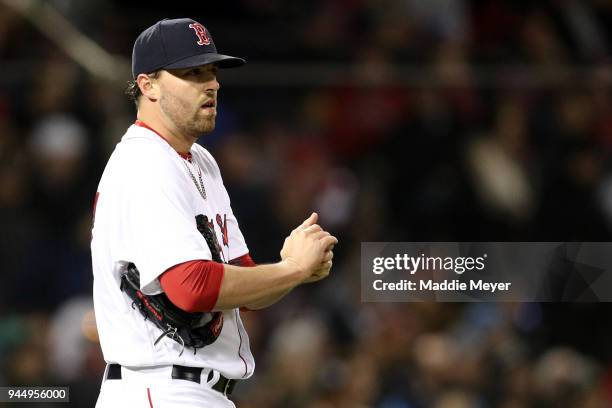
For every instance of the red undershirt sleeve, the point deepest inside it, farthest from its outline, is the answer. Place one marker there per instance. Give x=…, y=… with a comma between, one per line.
x=193, y=286
x=244, y=260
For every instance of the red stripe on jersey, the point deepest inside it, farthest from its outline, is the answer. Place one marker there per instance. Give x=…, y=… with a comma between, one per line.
x=193, y=286
x=186, y=156
x=149, y=396
x=246, y=367
x=144, y=125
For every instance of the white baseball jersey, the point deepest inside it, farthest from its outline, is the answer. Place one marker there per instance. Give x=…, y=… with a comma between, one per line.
x=145, y=213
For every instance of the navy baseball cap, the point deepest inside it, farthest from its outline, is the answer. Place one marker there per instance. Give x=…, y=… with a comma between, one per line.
x=175, y=44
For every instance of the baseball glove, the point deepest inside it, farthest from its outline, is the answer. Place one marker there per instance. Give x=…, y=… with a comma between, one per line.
x=194, y=330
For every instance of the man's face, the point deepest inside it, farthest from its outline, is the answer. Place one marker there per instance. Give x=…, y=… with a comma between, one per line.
x=189, y=98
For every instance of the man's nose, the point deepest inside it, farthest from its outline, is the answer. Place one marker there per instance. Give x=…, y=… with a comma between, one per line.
x=213, y=85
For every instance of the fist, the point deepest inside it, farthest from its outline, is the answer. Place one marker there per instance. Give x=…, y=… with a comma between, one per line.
x=322, y=271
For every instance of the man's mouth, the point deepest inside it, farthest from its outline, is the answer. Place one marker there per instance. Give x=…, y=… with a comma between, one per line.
x=210, y=104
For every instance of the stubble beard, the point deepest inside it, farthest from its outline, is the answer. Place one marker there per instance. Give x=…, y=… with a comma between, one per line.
x=190, y=120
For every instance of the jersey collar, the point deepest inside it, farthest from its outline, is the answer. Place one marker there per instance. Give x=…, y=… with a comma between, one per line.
x=187, y=156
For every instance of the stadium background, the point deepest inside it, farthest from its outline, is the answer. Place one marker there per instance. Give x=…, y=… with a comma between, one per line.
x=398, y=121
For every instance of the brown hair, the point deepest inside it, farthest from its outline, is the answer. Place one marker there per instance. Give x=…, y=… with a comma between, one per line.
x=133, y=90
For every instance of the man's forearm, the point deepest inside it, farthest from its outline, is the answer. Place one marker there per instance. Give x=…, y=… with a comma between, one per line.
x=257, y=287
x=269, y=300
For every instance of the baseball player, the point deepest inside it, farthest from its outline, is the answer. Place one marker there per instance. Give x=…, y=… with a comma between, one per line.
x=171, y=267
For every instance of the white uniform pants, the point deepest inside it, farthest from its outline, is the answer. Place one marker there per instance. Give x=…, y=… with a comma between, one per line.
x=155, y=388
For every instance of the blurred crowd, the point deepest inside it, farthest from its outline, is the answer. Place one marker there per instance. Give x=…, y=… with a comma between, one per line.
x=436, y=120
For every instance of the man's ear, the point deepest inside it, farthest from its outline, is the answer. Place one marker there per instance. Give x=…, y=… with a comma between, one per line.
x=148, y=86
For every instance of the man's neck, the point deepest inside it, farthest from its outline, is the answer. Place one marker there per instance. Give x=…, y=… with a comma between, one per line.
x=181, y=144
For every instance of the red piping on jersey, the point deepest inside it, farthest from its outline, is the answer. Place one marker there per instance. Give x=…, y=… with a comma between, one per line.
x=186, y=156
x=245, y=261
x=193, y=286
x=246, y=367
x=149, y=395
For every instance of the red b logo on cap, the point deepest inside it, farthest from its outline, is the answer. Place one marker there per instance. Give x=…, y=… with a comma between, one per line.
x=201, y=33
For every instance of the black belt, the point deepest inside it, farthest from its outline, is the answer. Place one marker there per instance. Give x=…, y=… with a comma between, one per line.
x=223, y=385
